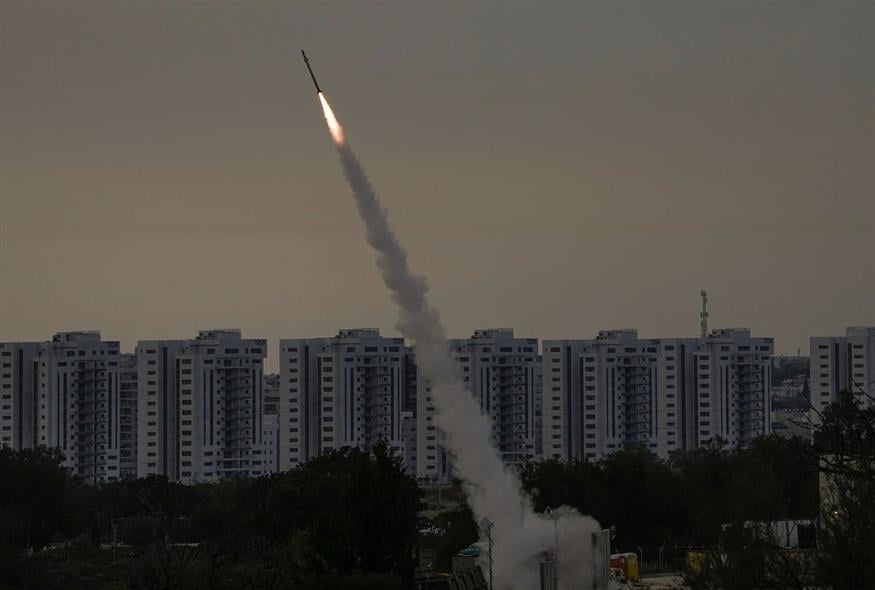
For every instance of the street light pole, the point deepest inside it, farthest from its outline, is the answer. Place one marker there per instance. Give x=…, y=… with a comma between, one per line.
x=487, y=525
x=551, y=514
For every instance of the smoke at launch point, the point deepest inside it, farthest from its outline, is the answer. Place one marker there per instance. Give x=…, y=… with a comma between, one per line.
x=493, y=491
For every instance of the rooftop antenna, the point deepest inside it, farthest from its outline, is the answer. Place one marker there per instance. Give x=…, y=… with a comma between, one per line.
x=703, y=324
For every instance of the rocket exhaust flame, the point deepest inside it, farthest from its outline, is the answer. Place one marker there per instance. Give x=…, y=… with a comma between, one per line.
x=493, y=491
x=333, y=126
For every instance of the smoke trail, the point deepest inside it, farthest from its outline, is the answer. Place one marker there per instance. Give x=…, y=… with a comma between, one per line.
x=493, y=491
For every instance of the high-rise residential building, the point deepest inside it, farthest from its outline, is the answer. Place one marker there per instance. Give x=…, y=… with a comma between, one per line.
x=408, y=437
x=842, y=363
x=127, y=375
x=271, y=393
x=661, y=394
x=66, y=396
x=270, y=423
x=503, y=374
x=270, y=433
x=344, y=391
x=19, y=379
x=615, y=390
x=201, y=406
x=733, y=387
x=157, y=407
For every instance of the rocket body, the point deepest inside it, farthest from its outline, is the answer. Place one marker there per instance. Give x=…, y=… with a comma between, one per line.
x=312, y=75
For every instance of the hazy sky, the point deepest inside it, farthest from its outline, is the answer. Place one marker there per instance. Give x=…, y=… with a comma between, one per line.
x=554, y=168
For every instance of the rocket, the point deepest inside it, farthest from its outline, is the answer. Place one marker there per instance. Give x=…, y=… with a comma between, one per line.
x=312, y=75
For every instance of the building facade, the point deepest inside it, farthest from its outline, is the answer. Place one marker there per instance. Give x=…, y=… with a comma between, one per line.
x=19, y=379
x=65, y=395
x=127, y=371
x=201, y=407
x=733, y=387
x=344, y=391
x=503, y=374
x=661, y=394
x=616, y=390
x=270, y=423
x=271, y=393
x=157, y=408
x=842, y=363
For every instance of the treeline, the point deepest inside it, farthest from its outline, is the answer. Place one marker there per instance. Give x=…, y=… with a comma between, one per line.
x=711, y=499
x=350, y=520
x=344, y=520
x=684, y=500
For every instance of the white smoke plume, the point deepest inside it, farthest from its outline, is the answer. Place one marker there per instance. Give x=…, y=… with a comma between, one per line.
x=493, y=491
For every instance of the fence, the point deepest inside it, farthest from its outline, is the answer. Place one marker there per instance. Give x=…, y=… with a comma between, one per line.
x=668, y=557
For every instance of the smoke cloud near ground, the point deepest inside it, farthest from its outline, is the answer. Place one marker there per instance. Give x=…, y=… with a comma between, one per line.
x=493, y=491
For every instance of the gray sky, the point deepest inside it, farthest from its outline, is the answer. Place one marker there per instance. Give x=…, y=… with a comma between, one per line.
x=554, y=168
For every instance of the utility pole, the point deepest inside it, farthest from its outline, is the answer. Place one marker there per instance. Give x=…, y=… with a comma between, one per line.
x=703, y=316
x=554, y=559
x=486, y=525
x=548, y=512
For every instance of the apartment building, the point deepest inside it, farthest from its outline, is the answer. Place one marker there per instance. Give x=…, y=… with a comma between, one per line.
x=64, y=394
x=270, y=423
x=19, y=380
x=345, y=391
x=842, y=363
x=661, y=394
x=733, y=387
x=127, y=371
x=271, y=393
x=201, y=407
x=503, y=374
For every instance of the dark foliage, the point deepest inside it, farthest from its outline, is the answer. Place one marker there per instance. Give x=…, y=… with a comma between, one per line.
x=687, y=499
x=33, y=488
x=347, y=519
x=844, y=452
x=460, y=531
x=845, y=445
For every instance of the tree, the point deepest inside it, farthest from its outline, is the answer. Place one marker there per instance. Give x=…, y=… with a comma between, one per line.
x=32, y=494
x=458, y=531
x=845, y=444
x=631, y=489
x=361, y=510
x=777, y=479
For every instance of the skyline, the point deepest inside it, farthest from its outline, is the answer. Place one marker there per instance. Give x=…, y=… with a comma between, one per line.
x=271, y=361
x=165, y=170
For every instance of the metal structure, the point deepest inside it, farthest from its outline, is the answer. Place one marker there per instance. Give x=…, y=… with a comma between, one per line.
x=486, y=525
x=703, y=324
x=312, y=75
x=549, y=576
x=601, y=559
